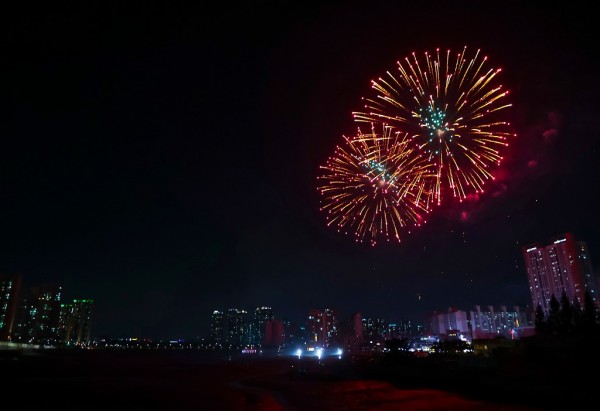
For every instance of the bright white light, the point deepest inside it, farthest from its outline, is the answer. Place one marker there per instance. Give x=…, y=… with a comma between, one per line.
x=339, y=351
x=299, y=352
x=319, y=353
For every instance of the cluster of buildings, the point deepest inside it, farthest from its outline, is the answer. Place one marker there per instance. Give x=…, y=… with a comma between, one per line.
x=557, y=267
x=236, y=328
x=239, y=329
x=36, y=315
x=562, y=265
x=325, y=328
x=487, y=323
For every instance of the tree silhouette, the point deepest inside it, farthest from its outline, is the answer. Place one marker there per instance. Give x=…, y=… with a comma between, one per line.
x=589, y=313
x=553, y=324
x=540, y=322
x=577, y=315
x=566, y=314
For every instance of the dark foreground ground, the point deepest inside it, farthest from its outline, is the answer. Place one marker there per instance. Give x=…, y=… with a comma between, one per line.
x=192, y=380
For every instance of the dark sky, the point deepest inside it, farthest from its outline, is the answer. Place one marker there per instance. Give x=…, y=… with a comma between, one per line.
x=162, y=160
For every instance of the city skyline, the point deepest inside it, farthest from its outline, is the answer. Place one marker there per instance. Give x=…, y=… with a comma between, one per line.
x=249, y=326
x=163, y=161
x=39, y=315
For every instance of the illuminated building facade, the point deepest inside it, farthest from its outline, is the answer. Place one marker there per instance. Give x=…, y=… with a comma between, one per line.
x=257, y=328
x=353, y=336
x=9, y=301
x=293, y=334
x=236, y=327
x=440, y=322
x=402, y=329
x=273, y=333
x=589, y=279
x=75, y=322
x=322, y=327
x=39, y=317
x=564, y=265
x=217, y=328
x=491, y=323
x=375, y=329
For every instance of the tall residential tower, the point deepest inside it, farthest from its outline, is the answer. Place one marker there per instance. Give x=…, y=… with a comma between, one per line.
x=562, y=265
x=9, y=301
x=76, y=321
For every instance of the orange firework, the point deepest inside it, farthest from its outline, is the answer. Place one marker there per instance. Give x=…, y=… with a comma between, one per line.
x=374, y=186
x=452, y=108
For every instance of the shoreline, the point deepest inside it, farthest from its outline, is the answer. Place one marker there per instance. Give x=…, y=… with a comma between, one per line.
x=194, y=381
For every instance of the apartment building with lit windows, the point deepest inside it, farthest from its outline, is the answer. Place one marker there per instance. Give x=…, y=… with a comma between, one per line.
x=561, y=265
x=9, y=302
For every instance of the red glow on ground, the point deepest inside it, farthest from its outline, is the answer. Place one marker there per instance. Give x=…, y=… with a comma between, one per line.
x=364, y=395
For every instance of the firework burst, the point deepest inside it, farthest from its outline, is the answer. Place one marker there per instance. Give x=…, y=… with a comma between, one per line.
x=374, y=186
x=452, y=108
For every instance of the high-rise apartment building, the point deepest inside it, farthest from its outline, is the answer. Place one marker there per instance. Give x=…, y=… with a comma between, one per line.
x=75, y=322
x=322, y=327
x=217, y=328
x=273, y=334
x=403, y=329
x=38, y=320
x=491, y=323
x=293, y=333
x=562, y=265
x=257, y=328
x=236, y=331
x=10, y=286
x=230, y=328
x=441, y=323
x=375, y=329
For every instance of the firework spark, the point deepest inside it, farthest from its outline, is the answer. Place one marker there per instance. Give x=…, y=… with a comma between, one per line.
x=374, y=186
x=452, y=108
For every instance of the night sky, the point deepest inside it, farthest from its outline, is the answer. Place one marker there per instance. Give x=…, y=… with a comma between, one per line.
x=162, y=160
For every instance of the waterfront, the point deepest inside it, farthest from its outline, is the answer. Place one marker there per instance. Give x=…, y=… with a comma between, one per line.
x=191, y=380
